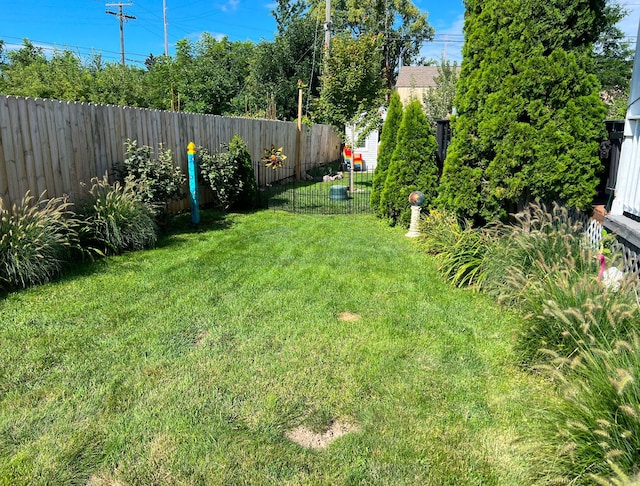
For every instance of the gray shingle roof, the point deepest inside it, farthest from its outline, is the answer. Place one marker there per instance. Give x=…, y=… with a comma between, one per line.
x=417, y=77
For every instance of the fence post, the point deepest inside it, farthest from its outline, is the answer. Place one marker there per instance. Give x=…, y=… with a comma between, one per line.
x=193, y=183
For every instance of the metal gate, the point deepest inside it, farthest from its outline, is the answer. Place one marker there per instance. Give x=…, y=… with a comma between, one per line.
x=329, y=189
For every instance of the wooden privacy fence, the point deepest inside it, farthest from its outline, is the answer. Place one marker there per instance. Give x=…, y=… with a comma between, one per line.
x=55, y=146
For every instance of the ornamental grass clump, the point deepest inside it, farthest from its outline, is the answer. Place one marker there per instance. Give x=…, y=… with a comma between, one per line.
x=595, y=434
x=537, y=238
x=37, y=238
x=114, y=219
x=461, y=249
x=566, y=310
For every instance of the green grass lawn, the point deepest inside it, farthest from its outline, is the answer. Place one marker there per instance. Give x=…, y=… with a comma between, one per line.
x=189, y=363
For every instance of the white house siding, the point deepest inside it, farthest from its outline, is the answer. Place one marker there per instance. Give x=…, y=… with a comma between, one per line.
x=369, y=150
x=628, y=180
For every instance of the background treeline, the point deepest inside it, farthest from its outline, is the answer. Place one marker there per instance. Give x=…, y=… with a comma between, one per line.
x=218, y=76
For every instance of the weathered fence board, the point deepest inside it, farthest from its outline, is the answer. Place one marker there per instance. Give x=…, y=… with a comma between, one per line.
x=57, y=146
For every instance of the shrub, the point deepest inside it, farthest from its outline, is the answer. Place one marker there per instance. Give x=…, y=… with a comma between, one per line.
x=387, y=146
x=36, y=239
x=529, y=115
x=114, y=219
x=157, y=180
x=230, y=174
x=413, y=166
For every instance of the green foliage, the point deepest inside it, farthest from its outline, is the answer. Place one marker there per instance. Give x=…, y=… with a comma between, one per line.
x=461, y=250
x=36, y=240
x=613, y=60
x=352, y=82
x=28, y=72
x=210, y=73
x=230, y=174
x=438, y=100
x=294, y=54
x=387, y=146
x=113, y=219
x=157, y=180
x=413, y=167
x=404, y=25
x=529, y=114
x=115, y=84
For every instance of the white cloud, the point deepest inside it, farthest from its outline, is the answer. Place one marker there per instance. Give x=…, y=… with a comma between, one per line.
x=230, y=6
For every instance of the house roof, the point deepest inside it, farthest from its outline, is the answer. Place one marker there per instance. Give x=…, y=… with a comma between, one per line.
x=417, y=77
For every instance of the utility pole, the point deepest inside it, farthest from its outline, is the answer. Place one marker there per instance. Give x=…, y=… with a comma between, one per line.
x=122, y=17
x=327, y=30
x=166, y=39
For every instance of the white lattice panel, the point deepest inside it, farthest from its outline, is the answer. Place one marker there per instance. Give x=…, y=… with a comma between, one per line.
x=593, y=233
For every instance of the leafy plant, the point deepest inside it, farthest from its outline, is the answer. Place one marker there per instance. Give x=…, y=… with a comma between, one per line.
x=439, y=230
x=230, y=174
x=157, y=180
x=274, y=157
x=114, y=219
x=36, y=239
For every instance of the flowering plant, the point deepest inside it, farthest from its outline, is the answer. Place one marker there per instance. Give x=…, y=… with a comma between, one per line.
x=274, y=157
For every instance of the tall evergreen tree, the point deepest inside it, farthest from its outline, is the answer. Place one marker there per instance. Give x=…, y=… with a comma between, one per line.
x=530, y=118
x=413, y=166
x=387, y=146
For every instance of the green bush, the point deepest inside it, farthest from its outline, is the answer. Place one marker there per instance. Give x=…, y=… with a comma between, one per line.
x=36, y=240
x=157, y=180
x=230, y=174
x=113, y=219
x=413, y=167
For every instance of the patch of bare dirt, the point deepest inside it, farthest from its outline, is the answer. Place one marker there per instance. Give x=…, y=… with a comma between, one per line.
x=349, y=317
x=201, y=337
x=307, y=438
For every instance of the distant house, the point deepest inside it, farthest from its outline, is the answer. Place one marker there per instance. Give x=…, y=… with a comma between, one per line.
x=414, y=82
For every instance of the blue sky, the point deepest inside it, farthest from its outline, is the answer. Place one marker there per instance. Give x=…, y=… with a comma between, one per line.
x=84, y=27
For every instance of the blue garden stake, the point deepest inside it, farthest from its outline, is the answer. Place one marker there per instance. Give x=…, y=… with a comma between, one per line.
x=193, y=183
